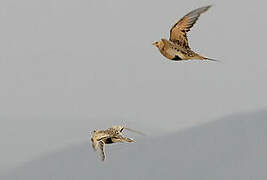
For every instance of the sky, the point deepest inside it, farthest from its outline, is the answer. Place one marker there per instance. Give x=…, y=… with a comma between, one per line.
x=233, y=147
x=68, y=67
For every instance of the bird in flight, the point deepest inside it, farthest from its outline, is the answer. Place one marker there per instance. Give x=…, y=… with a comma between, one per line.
x=177, y=47
x=111, y=135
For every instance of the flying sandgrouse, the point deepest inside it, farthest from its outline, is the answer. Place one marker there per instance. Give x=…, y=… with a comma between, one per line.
x=111, y=135
x=177, y=47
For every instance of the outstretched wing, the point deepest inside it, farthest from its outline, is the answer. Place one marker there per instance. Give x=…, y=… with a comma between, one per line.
x=96, y=137
x=102, y=149
x=94, y=144
x=135, y=131
x=179, y=30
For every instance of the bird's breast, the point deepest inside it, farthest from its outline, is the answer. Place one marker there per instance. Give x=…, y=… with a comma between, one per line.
x=168, y=53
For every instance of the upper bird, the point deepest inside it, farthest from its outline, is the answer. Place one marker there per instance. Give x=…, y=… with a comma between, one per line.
x=177, y=47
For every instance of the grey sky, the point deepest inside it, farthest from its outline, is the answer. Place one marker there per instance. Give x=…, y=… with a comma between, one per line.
x=70, y=66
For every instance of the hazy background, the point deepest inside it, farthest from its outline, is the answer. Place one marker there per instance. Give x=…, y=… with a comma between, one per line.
x=233, y=148
x=68, y=66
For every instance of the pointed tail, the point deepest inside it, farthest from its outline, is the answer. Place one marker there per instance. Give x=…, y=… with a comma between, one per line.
x=211, y=59
x=198, y=56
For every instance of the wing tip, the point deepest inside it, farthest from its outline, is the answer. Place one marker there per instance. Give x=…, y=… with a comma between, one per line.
x=206, y=7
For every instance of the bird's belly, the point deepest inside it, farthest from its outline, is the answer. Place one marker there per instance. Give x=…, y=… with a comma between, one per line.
x=180, y=54
x=109, y=141
x=112, y=140
x=174, y=54
x=115, y=140
x=168, y=53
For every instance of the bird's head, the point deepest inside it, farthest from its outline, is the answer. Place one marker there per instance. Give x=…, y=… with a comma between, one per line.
x=159, y=44
x=93, y=133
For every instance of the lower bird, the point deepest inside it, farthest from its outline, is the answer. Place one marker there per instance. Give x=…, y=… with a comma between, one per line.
x=111, y=135
x=177, y=47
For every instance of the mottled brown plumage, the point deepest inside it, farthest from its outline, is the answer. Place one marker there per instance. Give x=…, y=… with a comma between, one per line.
x=177, y=47
x=109, y=136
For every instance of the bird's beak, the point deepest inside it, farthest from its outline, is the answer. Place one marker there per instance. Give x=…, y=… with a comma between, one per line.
x=154, y=43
